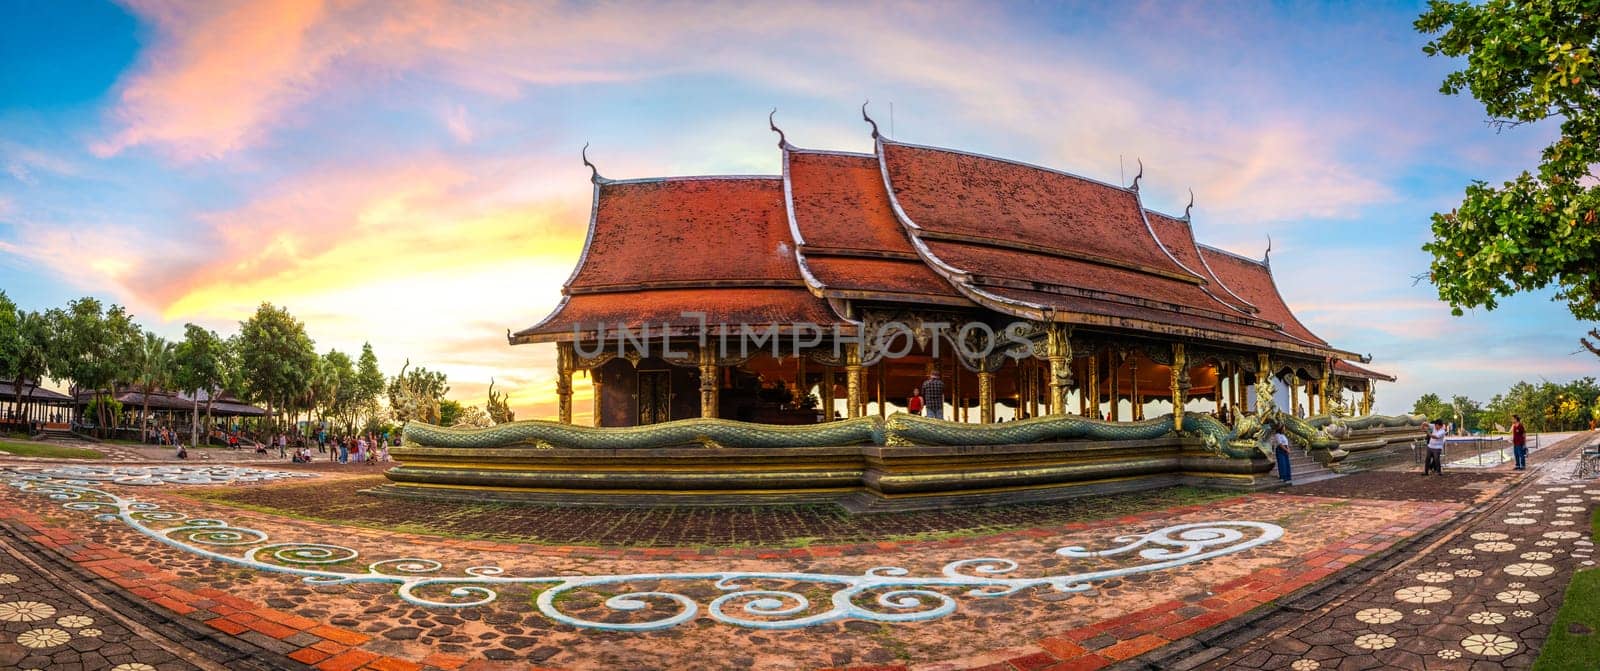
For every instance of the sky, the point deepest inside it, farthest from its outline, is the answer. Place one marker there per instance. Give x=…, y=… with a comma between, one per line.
x=407, y=173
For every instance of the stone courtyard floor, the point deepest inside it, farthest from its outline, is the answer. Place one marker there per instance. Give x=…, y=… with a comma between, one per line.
x=211, y=565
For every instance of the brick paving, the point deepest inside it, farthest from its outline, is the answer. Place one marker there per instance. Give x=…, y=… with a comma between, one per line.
x=1481, y=597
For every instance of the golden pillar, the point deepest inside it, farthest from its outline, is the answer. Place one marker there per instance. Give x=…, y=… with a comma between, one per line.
x=1366, y=399
x=1114, y=366
x=564, y=365
x=599, y=387
x=801, y=388
x=1133, y=374
x=852, y=379
x=1180, y=369
x=827, y=393
x=1058, y=349
x=1294, y=394
x=986, y=397
x=709, y=373
x=1094, y=386
x=881, y=367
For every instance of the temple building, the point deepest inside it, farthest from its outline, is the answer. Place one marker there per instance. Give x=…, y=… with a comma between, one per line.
x=1108, y=306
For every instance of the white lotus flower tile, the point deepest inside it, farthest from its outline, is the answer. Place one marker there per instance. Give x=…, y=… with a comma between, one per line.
x=1379, y=616
x=1530, y=511
x=1546, y=544
x=1489, y=536
x=1569, y=499
x=1495, y=546
x=90, y=632
x=1305, y=665
x=1570, y=509
x=8, y=578
x=74, y=621
x=1486, y=617
x=1537, y=556
x=1581, y=542
x=48, y=637
x=1519, y=520
x=1517, y=596
x=1489, y=645
x=1449, y=653
x=1422, y=594
x=1562, y=523
x=1468, y=573
x=1421, y=611
x=1435, y=576
x=1522, y=613
x=1562, y=535
x=1563, y=514
x=25, y=611
x=133, y=666
x=1460, y=551
x=1588, y=563
x=1375, y=641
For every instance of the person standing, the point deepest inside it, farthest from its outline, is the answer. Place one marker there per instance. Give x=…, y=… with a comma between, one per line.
x=1435, y=460
x=914, y=404
x=1519, y=443
x=1280, y=451
x=933, y=395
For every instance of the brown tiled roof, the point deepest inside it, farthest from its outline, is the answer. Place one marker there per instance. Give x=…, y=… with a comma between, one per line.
x=33, y=393
x=954, y=194
x=693, y=231
x=1253, y=282
x=1178, y=238
x=1344, y=368
x=852, y=243
x=719, y=246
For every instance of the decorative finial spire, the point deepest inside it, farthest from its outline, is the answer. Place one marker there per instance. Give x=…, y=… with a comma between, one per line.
x=1135, y=186
x=869, y=119
x=594, y=175
x=1267, y=256
x=783, y=142
x=1190, y=206
x=508, y=340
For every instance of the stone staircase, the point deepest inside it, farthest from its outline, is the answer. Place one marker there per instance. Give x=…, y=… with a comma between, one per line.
x=1305, y=470
x=61, y=433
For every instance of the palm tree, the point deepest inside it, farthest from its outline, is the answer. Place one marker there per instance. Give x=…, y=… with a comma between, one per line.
x=153, y=371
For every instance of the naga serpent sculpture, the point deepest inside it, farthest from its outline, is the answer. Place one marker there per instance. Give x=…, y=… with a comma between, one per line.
x=1246, y=438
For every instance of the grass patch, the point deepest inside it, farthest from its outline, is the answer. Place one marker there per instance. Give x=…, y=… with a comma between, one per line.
x=48, y=451
x=1574, y=641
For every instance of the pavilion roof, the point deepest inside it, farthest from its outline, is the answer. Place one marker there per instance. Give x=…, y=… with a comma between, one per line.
x=1252, y=281
x=1177, y=236
x=1344, y=368
x=657, y=248
x=34, y=393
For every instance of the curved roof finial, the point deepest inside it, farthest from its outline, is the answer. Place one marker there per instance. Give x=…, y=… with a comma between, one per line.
x=1135, y=186
x=869, y=120
x=1267, y=256
x=783, y=142
x=594, y=175
x=1190, y=206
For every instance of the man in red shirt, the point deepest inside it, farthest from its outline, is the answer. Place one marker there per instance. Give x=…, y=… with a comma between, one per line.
x=1519, y=443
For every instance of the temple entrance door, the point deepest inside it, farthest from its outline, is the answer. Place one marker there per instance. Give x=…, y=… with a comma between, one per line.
x=655, y=396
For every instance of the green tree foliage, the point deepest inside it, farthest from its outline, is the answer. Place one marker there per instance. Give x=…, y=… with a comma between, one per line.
x=29, y=360
x=450, y=412
x=1526, y=61
x=369, y=386
x=343, y=401
x=94, y=348
x=153, y=370
x=203, y=364
x=1432, y=407
x=10, y=338
x=275, y=357
x=1546, y=406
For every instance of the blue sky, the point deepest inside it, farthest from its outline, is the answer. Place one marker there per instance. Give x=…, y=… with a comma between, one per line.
x=407, y=173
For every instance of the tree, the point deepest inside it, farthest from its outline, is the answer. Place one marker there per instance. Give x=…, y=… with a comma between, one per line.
x=369, y=386
x=1467, y=411
x=93, y=349
x=31, y=362
x=450, y=411
x=10, y=339
x=1432, y=407
x=152, y=371
x=1526, y=61
x=202, y=364
x=275, y=357
x=343, y=401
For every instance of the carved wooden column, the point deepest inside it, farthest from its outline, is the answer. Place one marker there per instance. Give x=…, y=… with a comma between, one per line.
x=882, y=367
x=709, y=374
x=985, y=397
x=1058, y=350
x=1114, y=367
x=852, y=379
x=1180, y=383
x=1094, y=386
x=564, y=363
x=599, y=389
